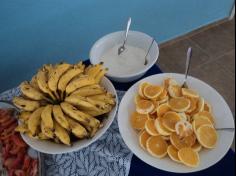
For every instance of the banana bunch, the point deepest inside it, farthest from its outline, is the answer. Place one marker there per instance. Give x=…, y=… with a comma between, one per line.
x=64, y=102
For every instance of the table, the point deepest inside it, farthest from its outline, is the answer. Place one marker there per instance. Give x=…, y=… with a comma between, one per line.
x=139, y=168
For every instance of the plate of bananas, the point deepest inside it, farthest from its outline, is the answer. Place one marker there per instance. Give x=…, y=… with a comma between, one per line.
x=65, y=107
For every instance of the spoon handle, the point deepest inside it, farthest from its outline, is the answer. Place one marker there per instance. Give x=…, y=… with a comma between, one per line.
x=189, y=56
x=127, y=30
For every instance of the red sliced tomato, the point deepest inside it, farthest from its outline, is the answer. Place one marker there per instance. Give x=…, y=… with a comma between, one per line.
x=27, y=161
x=17, y=140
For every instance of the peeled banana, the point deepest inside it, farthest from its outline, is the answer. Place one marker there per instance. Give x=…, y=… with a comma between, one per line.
x=78, y=83
x=60, y=117
x=34, y=121
x=66, y=78
x=26, y=105
x=62, y=134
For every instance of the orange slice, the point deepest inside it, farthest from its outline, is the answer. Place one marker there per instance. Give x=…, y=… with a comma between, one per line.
x=170, y=119
x=193, y=105
x=200, y=105
x=137, y=98
x=199, y=121
x=166, y=138
x=183, y=116
x=183, y=128
x=207, y=107
x=179, y=104
x=173, y=153
x=207, y=115
x=138, y=120
x=180, y=143
x=197, y=147
x=141, y=88
x=169, y=81
x=163, y=100
x=175, y=91
x=160, y=128
x=152, y=92
x=189, y=157
x=189, y=93
x=207, y=136
x=156, y=104
x=162, y=109
x=157, y=146
x=143, y=137
x=150, y=127
x=144, y=107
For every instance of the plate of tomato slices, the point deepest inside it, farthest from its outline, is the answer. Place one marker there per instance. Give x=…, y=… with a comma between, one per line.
x=16, y=157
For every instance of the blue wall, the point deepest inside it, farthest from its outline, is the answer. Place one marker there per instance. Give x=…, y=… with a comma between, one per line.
x=36, y=32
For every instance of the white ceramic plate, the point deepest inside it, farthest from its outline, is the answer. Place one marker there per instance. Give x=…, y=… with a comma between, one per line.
x=223, y=115
x=53, y=148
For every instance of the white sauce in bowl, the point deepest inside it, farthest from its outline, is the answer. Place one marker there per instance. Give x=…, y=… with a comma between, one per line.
x=129, y=62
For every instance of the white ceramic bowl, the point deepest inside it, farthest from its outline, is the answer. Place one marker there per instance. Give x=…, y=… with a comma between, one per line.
x=223, y=118
x=53, y=148
x=136, y=39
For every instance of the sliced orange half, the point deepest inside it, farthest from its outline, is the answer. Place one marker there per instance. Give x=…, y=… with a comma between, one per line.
x=173, y=153
x=137, y=98
x=183, y=128
x=208, y=115
x=200, y=105
x=143, y=137
x=157, y=146
x=189, y=93
x=160, y=128
x=152, y=92
x=179, y=104
x=175, y=91
x=162, y=109
x=170, y=119
x=193, y=105
x=207, y=107
x=150, y=127
x=199, y=121
x=141, y=88
x=144, y=107
x=138, y=120
x=169, y=81
x=197, y=147
x=156, y=104
x=180, y=143
x=207, y=136
x=189, y=157
x=163, y=100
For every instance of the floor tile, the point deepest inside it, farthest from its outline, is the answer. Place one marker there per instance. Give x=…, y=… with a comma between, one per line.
x=215, y=41
x=173, y=56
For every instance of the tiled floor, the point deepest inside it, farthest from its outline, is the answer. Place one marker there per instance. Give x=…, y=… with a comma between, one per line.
x=213, y=57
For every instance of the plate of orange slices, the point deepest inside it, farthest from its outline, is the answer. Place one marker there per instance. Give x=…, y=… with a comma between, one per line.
x=176, y=129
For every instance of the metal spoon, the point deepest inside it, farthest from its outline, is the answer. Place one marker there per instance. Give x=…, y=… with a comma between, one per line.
x=188, y=62
x=146, y=60
x=122, y=48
